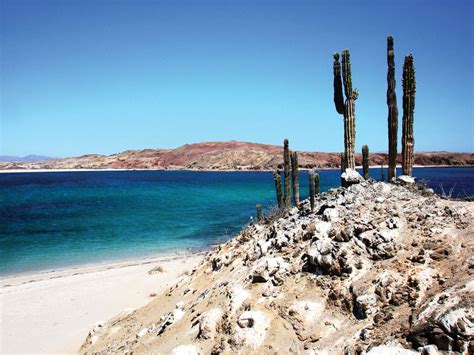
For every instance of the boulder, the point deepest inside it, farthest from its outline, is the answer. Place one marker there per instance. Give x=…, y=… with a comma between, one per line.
x=406, y=180
x=350, y=177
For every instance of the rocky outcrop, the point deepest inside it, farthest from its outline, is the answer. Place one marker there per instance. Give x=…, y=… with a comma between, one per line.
x=224, y=156
x=376, y=268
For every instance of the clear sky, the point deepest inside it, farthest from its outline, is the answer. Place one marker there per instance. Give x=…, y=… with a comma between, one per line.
x=102, y=76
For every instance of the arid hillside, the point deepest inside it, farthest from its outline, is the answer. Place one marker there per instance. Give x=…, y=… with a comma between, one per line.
x=376, y=267
x=224, y=156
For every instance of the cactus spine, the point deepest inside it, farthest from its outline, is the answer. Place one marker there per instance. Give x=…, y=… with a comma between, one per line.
x=365, y=161
x=392, y=111
x=260, y=215
x=295, y=178
x=409, y=88
x=278, y=188
x=349, y=106
x=312, y=189
x=286, y=161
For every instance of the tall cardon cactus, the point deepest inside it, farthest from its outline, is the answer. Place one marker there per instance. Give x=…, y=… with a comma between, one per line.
x=409, y=88
x=392, y=111
x=365, y=161
x=347, y=108
x=316, y=184
x=286, y=162
x=295, y=178
x=278, y=189
x=312, y=189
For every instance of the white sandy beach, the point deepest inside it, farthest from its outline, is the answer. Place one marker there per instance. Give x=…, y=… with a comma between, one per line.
x=53, y=312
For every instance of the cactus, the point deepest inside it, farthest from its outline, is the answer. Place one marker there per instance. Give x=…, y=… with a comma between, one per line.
x=365, y=161
x=316, y=183
x=295, y=178
x=343, y=163
x=392, y=111
x=349, y=106
x=286, y=160
x=260, y=216
x=338, y=98
x=312, y=189
x=278, y=188
x=409, y=88
x=343, y=167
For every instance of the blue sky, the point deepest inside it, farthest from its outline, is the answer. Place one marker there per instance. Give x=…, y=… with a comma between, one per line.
x=103, y=76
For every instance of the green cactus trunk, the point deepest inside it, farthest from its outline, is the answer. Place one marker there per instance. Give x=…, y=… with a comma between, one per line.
x=295, y=178
x=347, y=108
x=349, y=133
x=278, y=188
x=365, y=161
x=392, y=111
x=316, y=183
x=312, y=189
x=343, y=163
x=409, y=89
x=286, y=161
x=260, y=216
x=343, y=166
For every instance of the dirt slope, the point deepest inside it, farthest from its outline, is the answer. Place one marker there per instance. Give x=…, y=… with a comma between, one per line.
x=377, y=267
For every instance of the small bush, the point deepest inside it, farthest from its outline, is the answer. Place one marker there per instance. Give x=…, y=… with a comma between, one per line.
x=155, y=270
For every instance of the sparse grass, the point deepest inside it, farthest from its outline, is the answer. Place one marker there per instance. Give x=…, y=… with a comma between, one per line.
x=155, y=270
x=275, y=213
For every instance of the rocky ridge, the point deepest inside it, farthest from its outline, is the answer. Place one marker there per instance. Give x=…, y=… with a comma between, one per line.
x=224, y=156
x=376, y=268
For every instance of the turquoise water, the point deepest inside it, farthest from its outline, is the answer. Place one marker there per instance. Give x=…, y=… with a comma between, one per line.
x=57, y=220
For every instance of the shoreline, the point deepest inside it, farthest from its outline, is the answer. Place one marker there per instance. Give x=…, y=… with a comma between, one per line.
x=57, y=309
x=11, y=171
x=80, y=269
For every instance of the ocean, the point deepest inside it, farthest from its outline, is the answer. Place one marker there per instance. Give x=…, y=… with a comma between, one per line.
x=55, y=220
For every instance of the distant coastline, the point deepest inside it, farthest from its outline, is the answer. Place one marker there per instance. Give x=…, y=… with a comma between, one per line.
x=223, y=156
x=13, y=171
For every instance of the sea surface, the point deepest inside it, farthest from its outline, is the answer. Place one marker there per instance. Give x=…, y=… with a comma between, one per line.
x=57, y=220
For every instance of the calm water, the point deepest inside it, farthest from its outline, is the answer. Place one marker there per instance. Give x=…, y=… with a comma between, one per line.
x=55, y=220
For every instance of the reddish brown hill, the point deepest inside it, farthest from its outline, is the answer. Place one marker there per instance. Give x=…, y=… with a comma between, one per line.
x=224, y=156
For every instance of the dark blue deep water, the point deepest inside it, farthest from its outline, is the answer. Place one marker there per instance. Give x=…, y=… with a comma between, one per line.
x=57, y=220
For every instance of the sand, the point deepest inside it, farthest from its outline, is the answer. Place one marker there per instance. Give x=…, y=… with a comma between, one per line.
x=53, y=312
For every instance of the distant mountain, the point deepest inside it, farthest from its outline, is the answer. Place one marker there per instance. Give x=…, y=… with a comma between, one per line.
x=230, y=155
x=27, y=159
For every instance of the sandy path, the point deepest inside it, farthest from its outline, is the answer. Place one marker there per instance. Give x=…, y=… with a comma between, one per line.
x=53, y=312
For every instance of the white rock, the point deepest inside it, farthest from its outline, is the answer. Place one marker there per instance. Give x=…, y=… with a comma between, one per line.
x=405, y=179
x=324, y=246
x=459, y=321
x=273, y=265
x=255, y=328
x=208, y=322
x=429, y=350
x=263, y=245
x=323, y=228
x=351, y=176
x=390, y=350
x=237, y=297
x=185, y=350
x=331, y=214
x=308, y=310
